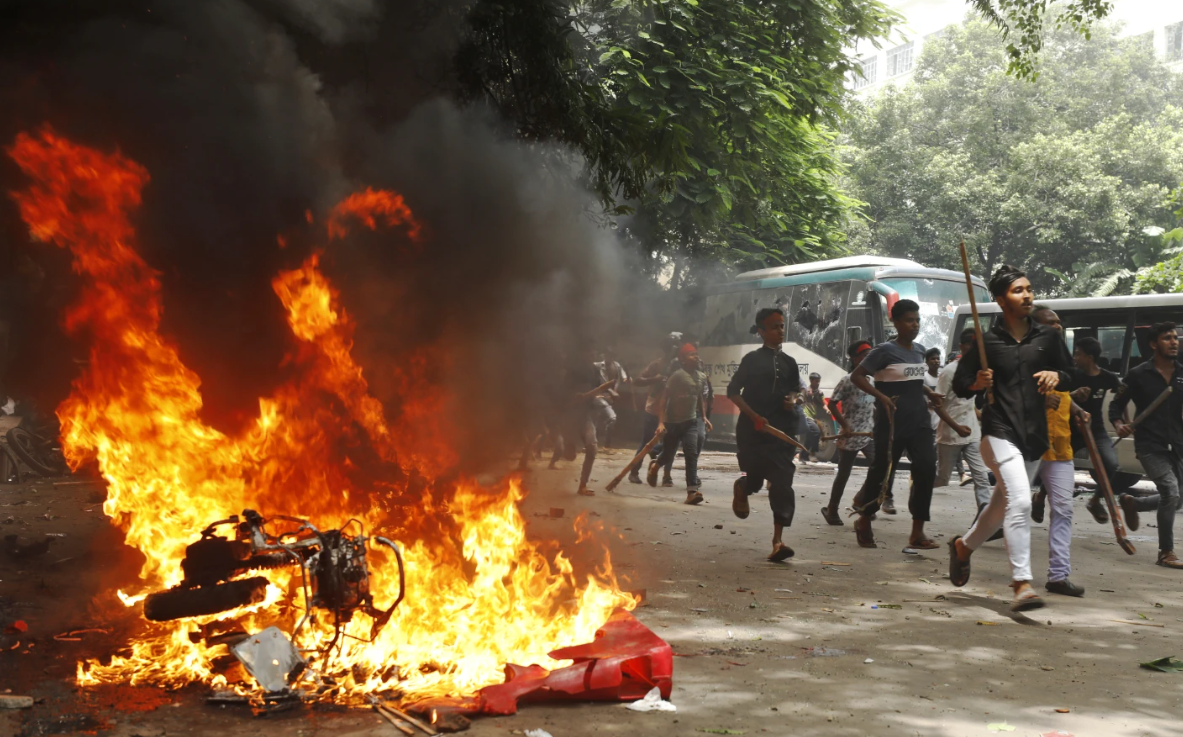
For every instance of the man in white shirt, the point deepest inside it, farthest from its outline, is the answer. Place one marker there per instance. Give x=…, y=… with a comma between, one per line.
x=960, y=441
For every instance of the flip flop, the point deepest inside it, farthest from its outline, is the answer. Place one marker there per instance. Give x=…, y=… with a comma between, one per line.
x=1028, y=601
x=831, y=518
x=924, y=544
x=865, y=537
x=739, y=498
x=585, y=492
x=781, y=554
x=958, y=570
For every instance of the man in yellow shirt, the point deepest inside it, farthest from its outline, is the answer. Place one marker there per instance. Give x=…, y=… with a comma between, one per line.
x=1058, y=474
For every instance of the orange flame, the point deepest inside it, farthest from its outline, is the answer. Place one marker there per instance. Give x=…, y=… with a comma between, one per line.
x=480, y=594
x=368, y=206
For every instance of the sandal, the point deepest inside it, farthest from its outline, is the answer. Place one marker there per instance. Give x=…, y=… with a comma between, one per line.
x=694, y=497
x=739, y=498
x=924, y=544
x=832, y=518
x=782, y=553
x=1167, y=559
x=958, y=569
x=584, y=491
x=864, y=534
x=1026, y=601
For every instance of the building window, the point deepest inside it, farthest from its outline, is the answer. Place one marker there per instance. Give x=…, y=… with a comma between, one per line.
x=1174, y=42
x=899, y=59
x=865, y=72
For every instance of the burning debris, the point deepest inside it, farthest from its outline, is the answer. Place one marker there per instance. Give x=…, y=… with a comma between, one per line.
x=480, y=593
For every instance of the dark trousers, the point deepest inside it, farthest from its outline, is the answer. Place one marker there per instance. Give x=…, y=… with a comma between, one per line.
x=692, y=441
x=686, y=434
x=648, y=429
x=1166, y=471
x=773, y=463
x=846, y=460
x=1108, y=453
x=579, y=426
x=920, y=445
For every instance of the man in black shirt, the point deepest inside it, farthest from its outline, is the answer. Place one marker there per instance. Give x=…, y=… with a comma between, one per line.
x=1092, y=382
x=1158, y=439
x=1027, y=361
x=765, y=388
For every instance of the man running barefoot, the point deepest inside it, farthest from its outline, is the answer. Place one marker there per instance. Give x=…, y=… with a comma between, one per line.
x=854, y=411
x=901, y=423
x=765, y=388
x=1158, y=439
x=1027, y=360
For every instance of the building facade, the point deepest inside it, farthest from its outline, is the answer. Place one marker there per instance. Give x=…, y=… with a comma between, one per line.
x=893, y=60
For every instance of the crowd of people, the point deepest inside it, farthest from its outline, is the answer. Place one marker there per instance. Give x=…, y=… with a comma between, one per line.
x=1008, y=412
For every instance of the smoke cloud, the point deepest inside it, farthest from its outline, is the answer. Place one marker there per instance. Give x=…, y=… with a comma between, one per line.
x=249, y=114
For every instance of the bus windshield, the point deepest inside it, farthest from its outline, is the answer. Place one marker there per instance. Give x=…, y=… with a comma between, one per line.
x=938, y=300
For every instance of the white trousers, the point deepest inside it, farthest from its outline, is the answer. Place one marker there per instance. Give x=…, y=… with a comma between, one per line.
x=1009, y=506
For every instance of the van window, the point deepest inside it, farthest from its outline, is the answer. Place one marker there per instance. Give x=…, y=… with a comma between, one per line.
x=1140, y=350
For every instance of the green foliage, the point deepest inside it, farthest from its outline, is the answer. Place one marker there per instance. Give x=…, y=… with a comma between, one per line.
x=711, y=119
x=1166, y=275
x=1025, y=24
x=1061, y=177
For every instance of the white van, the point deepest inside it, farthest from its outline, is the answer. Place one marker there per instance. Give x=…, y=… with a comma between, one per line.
x=1119, y=323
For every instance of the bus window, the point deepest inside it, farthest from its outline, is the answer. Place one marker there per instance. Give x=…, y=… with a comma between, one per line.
x=967, y=321
x=938, y=299
x=729, y=317
x=858, y=315
x=815, y=319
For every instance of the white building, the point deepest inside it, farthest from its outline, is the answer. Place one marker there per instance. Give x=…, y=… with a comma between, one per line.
x=892, y=61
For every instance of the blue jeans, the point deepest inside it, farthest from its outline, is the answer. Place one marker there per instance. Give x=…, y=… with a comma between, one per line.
x=685, y=433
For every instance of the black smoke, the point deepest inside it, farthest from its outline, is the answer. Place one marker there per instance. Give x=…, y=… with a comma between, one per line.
x=248, y=114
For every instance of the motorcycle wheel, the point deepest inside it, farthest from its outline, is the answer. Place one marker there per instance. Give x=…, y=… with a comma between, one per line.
x=179, y=603
x=22, y=442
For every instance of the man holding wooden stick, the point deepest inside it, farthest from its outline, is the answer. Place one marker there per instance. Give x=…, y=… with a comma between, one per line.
x=854, y=411
x=1026, y=361
x=1158, y=438
x=765, y=388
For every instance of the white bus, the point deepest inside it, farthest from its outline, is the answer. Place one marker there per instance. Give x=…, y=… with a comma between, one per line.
x=828, y=305
x=1119, y=323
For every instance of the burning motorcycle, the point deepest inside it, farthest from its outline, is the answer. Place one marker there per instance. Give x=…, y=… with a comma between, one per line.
x=334, y=575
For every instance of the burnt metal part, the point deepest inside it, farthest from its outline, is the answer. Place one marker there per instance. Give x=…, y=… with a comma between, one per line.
x=181, y=602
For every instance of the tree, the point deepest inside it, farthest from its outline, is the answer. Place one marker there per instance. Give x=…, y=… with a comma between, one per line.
x=709, y=120
x=1061, y=177
x=1026, y=23
x=1167, y=274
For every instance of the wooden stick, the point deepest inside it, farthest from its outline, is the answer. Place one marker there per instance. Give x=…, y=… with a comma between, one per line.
x=774, y=432
x=394, y=722
x=635, y=461
x=1140, y=624
x=852, y=435
x=973, y=306
x=1103, y=479
x=1149, y=410
x=425, y=727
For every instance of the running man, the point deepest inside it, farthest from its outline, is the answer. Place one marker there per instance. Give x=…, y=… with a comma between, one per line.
x=1158, y=439
x=1092, y=383
x=959, y=440
x=652, y=377
x=765, y=388
x=1057, y=474
x=1027, y=361
x=901, y=423
x=681, y=407
x=854, y=411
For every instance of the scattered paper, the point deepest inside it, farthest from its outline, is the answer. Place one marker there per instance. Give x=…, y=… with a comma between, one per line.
x=652, y=702
x=868, y=660
x=1000, y=727
x=538, y=733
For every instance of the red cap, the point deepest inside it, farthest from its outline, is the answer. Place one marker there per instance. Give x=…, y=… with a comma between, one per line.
x=686, y=350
